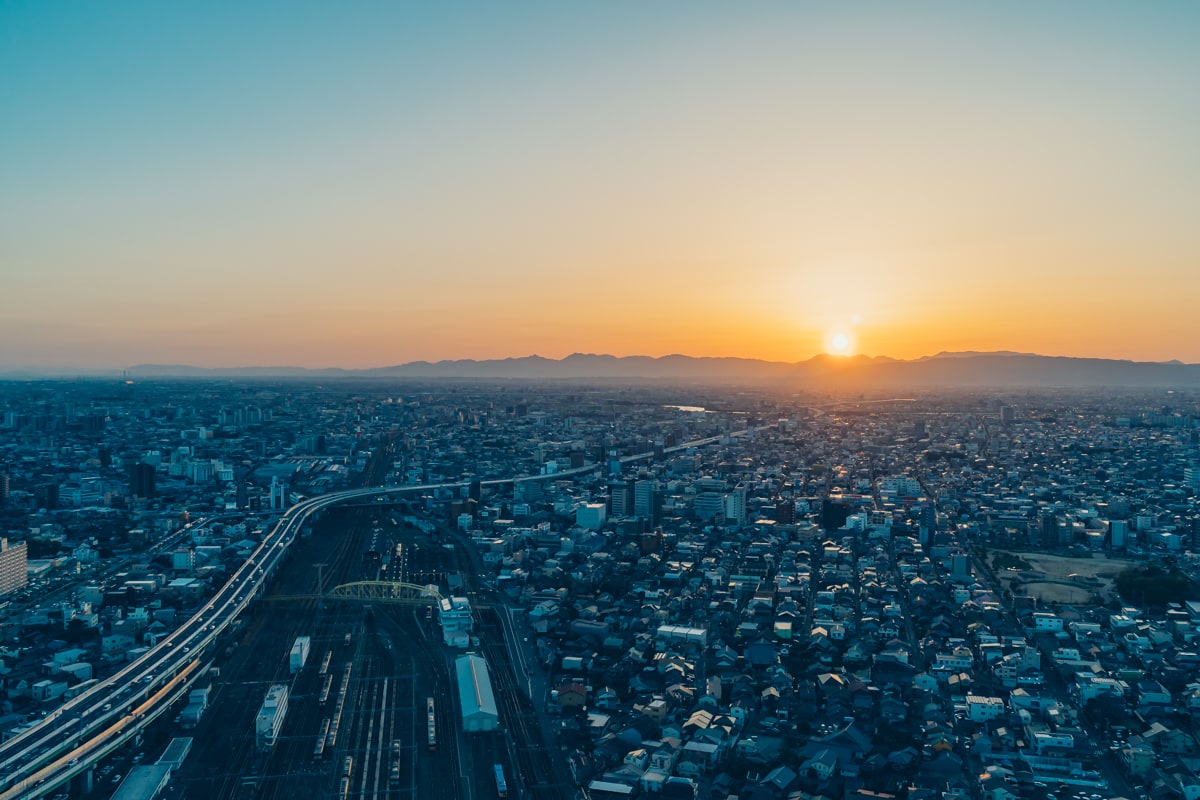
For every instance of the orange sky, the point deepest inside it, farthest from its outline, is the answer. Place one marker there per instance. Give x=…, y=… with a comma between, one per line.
x=365, y=186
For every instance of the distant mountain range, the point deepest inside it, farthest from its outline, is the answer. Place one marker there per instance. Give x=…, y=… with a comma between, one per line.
x=963, y=369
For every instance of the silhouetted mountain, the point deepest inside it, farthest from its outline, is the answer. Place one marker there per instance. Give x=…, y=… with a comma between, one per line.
x=1017, y=369
x=965, y=369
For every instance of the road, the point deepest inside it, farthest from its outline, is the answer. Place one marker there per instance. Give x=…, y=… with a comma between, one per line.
x=89, y=727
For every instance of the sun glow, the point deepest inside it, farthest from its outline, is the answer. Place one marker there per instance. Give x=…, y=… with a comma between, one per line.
x=840, y=344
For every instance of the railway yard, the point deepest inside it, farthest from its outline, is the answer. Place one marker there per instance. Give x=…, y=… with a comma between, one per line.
x=358, y=723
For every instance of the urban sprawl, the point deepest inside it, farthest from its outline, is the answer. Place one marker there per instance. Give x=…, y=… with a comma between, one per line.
x=419, y=589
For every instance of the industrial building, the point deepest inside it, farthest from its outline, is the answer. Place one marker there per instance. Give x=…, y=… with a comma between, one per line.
x=270, y=717
x=478, y=702
x=454, y=615
x=148, y=781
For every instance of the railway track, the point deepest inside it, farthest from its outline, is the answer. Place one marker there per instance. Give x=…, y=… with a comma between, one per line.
x=397, y=662
x=539, y=774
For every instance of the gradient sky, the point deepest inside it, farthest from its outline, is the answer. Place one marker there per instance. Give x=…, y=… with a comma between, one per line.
x=362, y=184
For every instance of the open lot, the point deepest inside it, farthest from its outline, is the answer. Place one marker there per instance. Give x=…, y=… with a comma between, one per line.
x=1066, y=579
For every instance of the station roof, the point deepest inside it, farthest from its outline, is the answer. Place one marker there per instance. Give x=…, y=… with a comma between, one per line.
x=475, y=686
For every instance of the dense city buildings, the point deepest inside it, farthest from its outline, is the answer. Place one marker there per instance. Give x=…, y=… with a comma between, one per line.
x=689, y=591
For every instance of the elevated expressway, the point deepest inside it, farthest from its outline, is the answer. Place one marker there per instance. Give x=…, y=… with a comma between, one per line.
x=85, y=729
x=71, y=739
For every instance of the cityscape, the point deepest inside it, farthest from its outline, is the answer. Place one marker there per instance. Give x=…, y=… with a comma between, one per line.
x=453, y=588
x=599, y=401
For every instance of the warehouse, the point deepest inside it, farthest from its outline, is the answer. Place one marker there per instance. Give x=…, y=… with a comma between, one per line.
x=478, y=703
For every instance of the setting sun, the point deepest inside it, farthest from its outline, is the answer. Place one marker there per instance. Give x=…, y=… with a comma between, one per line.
x=839, y=343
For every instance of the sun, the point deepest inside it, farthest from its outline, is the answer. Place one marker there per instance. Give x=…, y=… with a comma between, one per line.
x=839, y=344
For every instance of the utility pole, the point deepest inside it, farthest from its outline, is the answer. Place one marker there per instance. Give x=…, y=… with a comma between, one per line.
x=320, y=584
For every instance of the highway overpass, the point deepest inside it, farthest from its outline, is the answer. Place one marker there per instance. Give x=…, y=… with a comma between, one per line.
x=71, y=739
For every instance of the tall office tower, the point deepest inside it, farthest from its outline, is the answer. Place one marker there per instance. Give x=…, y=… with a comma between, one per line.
x=960, y=568
x=278, y=495
x=5, y=488
x=834, y=514
x=735, y=506
x=1052, y=530
x=645, y=499
x=927, y=523
x=1007, y=415
x=13, y=564
x=46, y=496
x=621, y=494
x=141, y=480
x=1118, y=534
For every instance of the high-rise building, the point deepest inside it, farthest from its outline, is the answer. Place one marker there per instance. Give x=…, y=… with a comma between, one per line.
x=591, y=516
x=833, y=514
x=735, y=506
x=1118, y=534
x=1191, y=532
x=141, y=480
x=928, y=517
x=1054, y=532
x=646, y=500
x=13, y=565
x=278, y=494
x=46, y=495
x=621, y=499
x=708, y=505
x=5, y=488
x=960, y=568
x=1191, y=476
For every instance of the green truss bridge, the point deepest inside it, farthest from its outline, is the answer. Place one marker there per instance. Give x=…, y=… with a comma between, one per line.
x=386, y=592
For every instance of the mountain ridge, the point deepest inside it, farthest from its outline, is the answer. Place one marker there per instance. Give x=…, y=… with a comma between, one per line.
x=946, y=369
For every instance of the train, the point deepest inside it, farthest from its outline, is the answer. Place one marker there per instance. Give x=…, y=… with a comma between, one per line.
x=319, y=748
x=501, y=784
x=431, y=722
x=372, y=557
x=394, y=776
x=341, y=705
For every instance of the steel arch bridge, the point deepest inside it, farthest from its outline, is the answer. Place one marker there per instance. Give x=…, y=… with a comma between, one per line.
x=394, y=592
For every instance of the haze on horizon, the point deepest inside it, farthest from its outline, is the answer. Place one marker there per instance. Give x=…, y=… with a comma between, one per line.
x=367, y=184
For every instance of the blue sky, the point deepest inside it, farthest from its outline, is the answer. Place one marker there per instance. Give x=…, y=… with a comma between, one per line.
x=360, y=184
